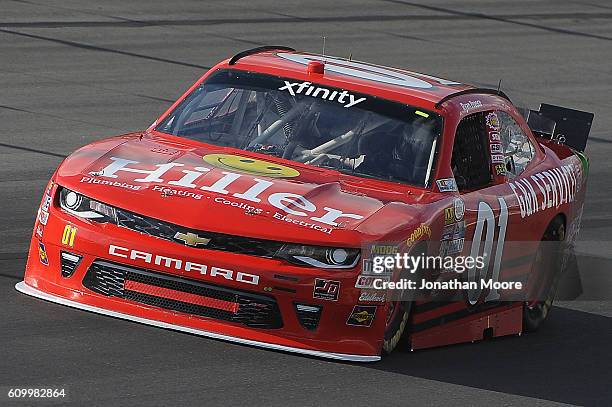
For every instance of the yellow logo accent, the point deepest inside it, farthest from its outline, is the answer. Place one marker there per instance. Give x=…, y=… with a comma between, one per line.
x=191, y=239
x=449, y=215
x=419, y=233
x=42, y=254
x=361, y=316
x=250, y=165
x=69, y=235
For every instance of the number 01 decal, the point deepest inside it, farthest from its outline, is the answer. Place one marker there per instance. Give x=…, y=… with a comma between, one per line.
x=69, y=235
x=486, y=218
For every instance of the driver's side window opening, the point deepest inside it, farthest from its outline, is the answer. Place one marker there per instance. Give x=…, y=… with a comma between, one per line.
x=471, y=159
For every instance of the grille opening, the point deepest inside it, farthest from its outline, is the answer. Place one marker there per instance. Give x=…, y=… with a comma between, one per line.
x=183, y=295
x=69, y=262
x=308, y=315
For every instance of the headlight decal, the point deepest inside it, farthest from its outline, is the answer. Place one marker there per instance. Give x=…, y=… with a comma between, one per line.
x=320, y=256
x=84, y=207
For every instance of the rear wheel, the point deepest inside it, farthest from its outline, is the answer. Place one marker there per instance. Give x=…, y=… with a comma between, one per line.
x=547, y=270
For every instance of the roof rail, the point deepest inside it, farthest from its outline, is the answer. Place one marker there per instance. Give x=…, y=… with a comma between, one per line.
x=257, y=50
x=473, y=90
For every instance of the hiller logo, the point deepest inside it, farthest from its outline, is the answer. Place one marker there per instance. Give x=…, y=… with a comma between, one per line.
x=292, y=204
x=323, y=93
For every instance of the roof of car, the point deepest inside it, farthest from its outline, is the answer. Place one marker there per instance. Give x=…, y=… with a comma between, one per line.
x=363, y=74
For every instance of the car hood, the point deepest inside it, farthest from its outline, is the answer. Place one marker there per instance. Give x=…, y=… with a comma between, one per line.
x=237, y=192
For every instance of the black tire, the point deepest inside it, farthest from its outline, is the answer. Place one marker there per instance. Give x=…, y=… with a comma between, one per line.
x=398, y=315
x=395, y=332
x=548, y=268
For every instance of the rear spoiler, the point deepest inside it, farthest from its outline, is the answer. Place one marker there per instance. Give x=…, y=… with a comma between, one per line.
x=560, y=124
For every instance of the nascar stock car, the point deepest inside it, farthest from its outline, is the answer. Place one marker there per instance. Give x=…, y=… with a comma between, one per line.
x=245, y=211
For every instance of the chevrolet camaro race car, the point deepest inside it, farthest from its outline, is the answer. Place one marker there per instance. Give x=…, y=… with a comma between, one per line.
x=254, y=208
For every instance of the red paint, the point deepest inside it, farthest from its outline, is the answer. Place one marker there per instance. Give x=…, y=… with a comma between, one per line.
x=181, y=296
x=391, y=211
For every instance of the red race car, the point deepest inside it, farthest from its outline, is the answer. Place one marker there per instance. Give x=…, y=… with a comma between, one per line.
x=255, y=208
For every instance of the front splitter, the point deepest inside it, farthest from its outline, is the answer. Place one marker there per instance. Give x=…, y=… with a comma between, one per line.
x=26, y=289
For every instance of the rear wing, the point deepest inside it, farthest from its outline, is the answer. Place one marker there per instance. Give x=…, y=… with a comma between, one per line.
x=560, y=124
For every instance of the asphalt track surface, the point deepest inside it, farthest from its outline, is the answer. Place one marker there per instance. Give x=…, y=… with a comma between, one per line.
x=72, y=72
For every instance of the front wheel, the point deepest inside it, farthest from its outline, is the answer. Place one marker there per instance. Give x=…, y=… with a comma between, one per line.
x=398, y=312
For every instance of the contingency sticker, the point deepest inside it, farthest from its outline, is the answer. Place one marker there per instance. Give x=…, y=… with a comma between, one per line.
x=362, y=315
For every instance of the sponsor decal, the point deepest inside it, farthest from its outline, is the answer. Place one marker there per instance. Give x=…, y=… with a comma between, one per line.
x=494, y=136
x=379, y=249
x=459, y=230
x=42, y=254
x=367, y=267
x=248, y=209
x=292, y=204
x=250, y=165
x=496, y=148
x=302, y=223
x=345, y=98
x=453, y=231
x=372, y=296
x=447, y=185
x=449, y=215
x=500, y=169
x=362, y=315
x=167, y=192
x=459, y=208
x=191, y=239
x=39, y=231
x=43, y=217
x=419, y=233
x=68, y=235
x=94, y=180
x=375, y=251
x=492, y=121
x=546, y=189
x=452, y=246
x=497, y=158
x=448, y=232
x=182, y=265
x=471, y=105
x=368, y=281
x=43, y=211
x=326, y=289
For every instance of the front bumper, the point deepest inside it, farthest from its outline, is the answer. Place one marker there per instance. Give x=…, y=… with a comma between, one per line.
x=287, y=285
x=26, y=289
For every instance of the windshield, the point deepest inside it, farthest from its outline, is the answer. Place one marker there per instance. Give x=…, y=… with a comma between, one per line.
x=313, y=124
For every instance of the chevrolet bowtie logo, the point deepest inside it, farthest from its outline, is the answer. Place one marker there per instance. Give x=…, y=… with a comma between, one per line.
x=191, y=239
